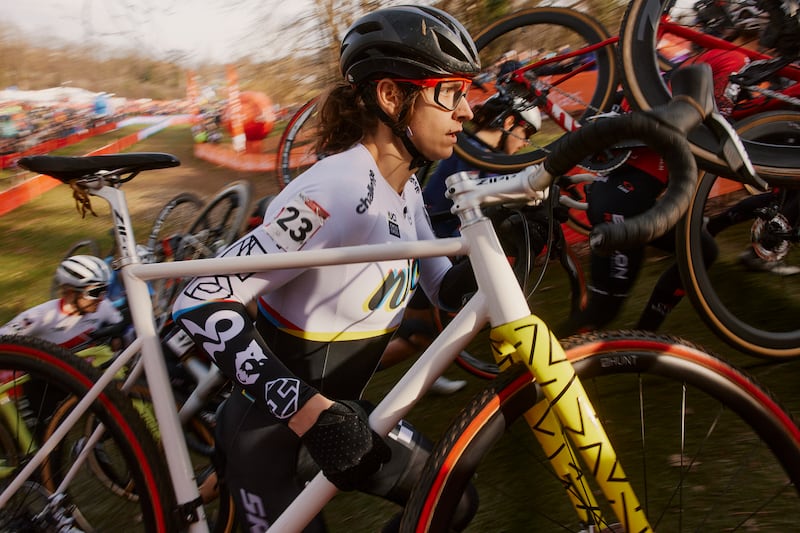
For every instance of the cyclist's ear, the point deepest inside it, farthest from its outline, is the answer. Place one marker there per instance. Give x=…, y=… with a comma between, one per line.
x=389, y=96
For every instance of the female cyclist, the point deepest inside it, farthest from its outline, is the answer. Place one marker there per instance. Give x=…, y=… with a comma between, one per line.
x=72, y=319
x=502, y=123
x=318, y=336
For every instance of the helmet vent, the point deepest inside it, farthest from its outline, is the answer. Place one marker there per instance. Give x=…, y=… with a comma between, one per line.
x=449, y=48
x=369, y=27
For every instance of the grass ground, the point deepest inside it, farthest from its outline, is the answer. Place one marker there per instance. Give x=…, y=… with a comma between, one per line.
x=34, y=237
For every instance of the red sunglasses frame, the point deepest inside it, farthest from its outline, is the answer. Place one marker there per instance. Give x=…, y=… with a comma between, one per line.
x=436, y=82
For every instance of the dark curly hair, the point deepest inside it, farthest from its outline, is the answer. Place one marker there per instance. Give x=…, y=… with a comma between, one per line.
x=346, y=115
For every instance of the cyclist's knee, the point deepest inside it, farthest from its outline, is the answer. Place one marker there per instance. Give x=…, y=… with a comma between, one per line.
x=394, y=482
x=258, y=460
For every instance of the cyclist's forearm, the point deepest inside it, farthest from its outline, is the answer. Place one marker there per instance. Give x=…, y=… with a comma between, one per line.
x=225, y=331
x=308, y=414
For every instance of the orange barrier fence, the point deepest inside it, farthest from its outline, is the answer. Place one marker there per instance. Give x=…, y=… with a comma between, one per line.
x=18, y=195
x=9, y=160
x=221, y=154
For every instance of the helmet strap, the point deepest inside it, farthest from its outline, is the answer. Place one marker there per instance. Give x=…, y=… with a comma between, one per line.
x=501, y=145
x=417, y=159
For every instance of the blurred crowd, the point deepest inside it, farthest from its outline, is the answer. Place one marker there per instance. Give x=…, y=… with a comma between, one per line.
x=28, y=126
x=209, y=125
x=25, y=125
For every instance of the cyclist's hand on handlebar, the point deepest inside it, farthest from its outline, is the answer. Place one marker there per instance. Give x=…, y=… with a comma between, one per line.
x=343, y=445
x=109, y=330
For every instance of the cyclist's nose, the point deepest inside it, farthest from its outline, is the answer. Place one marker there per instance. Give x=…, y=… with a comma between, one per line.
x=463, y=111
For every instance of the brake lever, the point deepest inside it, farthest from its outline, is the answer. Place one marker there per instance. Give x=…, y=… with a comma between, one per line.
x=733, y=152
x=693, y=86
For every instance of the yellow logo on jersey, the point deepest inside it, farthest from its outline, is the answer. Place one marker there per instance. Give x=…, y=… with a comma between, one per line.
x=395, y=288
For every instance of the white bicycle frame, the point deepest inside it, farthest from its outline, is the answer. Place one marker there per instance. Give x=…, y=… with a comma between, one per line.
x=499, y=300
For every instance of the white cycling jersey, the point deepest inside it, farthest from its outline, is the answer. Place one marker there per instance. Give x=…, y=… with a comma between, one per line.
x=341, y=201
x=48, y=321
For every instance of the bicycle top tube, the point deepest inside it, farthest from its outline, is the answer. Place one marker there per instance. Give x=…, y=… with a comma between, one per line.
x=706, y=40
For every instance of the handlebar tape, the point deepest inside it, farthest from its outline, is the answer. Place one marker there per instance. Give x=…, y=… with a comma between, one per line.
x=664, y=129
x=652, y=129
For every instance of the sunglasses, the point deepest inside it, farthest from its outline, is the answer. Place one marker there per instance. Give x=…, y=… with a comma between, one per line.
x=447, y=92
x=95, y=293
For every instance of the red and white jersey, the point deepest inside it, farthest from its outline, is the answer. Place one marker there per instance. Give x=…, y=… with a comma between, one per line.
x=48, y=321
x=343, y=200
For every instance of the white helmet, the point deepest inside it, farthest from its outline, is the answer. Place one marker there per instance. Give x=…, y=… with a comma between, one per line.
x=494, y=110
x=529, y=113
x=83, y=271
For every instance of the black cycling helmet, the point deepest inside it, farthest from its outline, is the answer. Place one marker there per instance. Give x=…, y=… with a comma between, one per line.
x=413, y=42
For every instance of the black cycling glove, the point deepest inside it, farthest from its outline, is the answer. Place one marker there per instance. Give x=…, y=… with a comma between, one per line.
x=343, y=445
x=457, y=284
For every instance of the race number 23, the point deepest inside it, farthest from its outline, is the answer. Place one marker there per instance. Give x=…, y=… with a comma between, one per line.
x=299, y=219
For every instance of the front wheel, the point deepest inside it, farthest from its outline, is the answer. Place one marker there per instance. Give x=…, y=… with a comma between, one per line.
x=296, y=148
x=651, y=47
x=170, y=223
x=704, y=447
x=219, y=223
x=163, y=243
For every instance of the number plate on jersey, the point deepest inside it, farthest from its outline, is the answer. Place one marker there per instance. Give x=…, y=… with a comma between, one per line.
x=299, y=219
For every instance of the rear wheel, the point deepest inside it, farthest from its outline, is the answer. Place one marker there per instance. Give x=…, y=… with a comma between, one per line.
x=199, y=433
x=705, y=448
x=582, y=85
x=757, y=254
x=38, y=378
